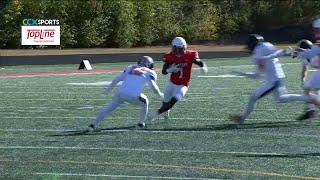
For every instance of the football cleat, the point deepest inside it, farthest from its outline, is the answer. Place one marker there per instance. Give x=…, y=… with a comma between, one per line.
x=91, y=128
x=166, y=115
x=308, y=115
x=237, y=118
x=141, y=125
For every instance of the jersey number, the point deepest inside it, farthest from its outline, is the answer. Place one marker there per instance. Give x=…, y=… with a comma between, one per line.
x=181, y=73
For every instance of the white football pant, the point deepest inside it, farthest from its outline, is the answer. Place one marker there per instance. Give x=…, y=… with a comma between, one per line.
x=120, y=98
x=313, y=81
x=280, y=93
x=173, y=90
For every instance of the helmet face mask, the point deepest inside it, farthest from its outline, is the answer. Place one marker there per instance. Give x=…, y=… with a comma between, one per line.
x=146, y=61
x=253, y=40
x=178, y=51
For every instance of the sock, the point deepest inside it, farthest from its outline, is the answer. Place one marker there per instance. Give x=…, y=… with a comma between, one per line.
x=167, y=105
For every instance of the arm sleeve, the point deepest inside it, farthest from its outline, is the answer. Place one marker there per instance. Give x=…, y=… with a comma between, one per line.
x=198, y=62
x=153, y=85
x=260, y=56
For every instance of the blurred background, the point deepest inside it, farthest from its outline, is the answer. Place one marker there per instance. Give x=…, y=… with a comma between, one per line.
x=138, y=23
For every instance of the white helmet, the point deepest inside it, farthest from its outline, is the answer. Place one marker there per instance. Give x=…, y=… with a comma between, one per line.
x=146, y=61
x=179, y=42
x=316, y=23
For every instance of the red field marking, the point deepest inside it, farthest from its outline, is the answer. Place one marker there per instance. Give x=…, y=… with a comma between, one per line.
x=58, y=73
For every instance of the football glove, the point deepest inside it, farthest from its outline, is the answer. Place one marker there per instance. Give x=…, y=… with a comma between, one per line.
x=173, y=68
x=204, y=69
x=161, y=95
x=287, y=52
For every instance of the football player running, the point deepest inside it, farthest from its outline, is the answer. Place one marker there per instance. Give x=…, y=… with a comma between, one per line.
x=306, y=82
x=178, y=63
x=133, y=80
x=265, y=56
x=309, y=56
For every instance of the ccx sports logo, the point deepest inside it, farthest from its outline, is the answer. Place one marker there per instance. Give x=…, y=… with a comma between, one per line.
x=40, y=32
x=40, y=22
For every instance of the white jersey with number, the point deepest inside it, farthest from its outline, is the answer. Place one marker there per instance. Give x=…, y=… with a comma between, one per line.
x=271, y=66
x=134, y=79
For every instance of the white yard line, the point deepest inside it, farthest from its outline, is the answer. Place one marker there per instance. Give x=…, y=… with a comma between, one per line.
x=37, y=130
x=141, y=150
x=223, y=76
x=121, y=176
x=245, y=65
x=172, y=166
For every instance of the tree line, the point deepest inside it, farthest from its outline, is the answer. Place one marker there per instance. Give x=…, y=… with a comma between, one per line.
x=132, y=23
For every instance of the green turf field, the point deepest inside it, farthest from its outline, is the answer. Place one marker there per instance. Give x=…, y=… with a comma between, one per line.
x=42, y=118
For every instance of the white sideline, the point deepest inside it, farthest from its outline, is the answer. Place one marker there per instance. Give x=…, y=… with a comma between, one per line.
x=121, y=176
x=223, y=76
x=161, y=131
x=141, y=150
x=244, y=65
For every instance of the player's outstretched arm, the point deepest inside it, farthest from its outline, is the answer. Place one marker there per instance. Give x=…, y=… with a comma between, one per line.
x=155, y=88
x=277, y=53
x=114, y=82
x=201, y=64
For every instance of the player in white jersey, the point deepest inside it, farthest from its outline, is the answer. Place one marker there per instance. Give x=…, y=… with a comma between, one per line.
x=265, y=57
x=133, y=80
x=310, y=57
x=307, y=79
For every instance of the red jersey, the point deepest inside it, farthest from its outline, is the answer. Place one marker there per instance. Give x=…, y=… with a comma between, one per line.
x=185, y=63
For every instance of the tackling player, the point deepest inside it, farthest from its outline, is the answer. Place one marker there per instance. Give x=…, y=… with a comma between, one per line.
x=178, y=63
x=311, y=111
x=134, y=78
x=265, y=57
x=310, y=57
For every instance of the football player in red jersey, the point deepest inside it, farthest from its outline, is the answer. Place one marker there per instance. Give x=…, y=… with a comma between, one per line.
x=179, y=63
